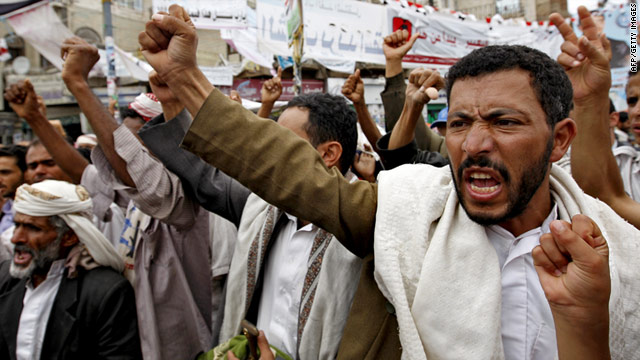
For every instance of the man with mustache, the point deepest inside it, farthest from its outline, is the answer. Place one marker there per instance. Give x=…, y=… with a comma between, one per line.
x=499, y=256
x=12, y=168
x=62, y=295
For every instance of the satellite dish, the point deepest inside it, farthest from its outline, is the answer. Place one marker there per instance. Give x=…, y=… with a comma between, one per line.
x=21, y=65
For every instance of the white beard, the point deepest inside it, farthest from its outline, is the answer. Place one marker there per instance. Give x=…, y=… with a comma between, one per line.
x=21, y=272
x=41, y=259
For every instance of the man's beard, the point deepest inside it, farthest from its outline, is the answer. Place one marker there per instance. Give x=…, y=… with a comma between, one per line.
x=518, y=198
x=41, y=260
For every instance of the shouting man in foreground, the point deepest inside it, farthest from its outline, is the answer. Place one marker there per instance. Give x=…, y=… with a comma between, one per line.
x=501, y=255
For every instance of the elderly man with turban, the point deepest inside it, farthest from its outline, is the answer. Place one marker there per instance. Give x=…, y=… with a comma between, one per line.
x=62, y=295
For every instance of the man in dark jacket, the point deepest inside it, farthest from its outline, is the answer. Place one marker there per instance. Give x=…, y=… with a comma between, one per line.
x=61, y=295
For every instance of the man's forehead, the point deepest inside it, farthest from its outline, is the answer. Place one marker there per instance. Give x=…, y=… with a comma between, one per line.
x=8, y=161
x=502, y=89
x=28, y=219
x=37, y=153
x=633, y=84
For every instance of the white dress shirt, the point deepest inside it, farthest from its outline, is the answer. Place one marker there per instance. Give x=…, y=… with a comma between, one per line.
x=284, y=275
x=528, y=330
x=36, y=307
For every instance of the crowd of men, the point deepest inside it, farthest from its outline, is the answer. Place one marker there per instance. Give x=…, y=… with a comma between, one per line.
x=511, y=231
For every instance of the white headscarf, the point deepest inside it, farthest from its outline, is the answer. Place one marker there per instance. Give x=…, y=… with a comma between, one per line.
x=72, y=204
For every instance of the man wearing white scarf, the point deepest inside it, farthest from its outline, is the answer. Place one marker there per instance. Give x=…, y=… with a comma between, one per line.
x=440, y=238
x=62, y=295
x=73, y=205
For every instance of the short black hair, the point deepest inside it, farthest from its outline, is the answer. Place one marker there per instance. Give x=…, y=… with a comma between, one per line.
x=86, y=153
x=624, y=116
x=330, y=119
x=126, y=112
x=548, y=79
x=17, y=152
x=612, y=107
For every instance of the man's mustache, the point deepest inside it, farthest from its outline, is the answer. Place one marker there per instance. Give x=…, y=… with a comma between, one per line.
x=484, y=161
x=24, y=248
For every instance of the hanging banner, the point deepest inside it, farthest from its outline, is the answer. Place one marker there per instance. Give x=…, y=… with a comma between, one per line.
x=444, y=39
x=333, y=31
x=210, y=14
x=346, y=30
x=272, y=27
x=43, y=30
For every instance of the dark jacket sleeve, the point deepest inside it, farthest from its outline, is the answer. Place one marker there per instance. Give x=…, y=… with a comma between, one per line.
x=408, y=154
x=117, y=325
x=284, y=170
x=213, y=189
x=393, y=102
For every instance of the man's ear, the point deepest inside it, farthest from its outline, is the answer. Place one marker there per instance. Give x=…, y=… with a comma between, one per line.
x=331, y=151
x=614, y=119
x=563, y=134
x=69, y=239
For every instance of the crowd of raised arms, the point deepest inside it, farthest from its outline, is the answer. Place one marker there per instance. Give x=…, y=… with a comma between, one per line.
x=193, y=228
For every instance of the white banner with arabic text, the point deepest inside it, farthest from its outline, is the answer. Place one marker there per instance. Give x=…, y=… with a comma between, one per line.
x=210, y=14
x=347, y=30
x=444, y=38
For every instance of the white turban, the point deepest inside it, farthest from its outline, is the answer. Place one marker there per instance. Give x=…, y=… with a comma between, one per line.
x=72, y=204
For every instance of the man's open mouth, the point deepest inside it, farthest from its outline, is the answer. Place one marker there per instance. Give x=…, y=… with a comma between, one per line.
x=22, y=257
x=483, y=184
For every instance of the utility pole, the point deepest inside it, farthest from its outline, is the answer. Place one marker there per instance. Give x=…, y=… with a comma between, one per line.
x=295, y=31
x=112, y=88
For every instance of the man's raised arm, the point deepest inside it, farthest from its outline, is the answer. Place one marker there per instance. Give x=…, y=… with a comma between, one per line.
x=395, y=46
x=573, y=268
x=23, y=100
x=80, y=57
x=423, y=86
x=270, y=160
x=353, y=89
x=398, y=147
x=270, y=93
x=593, y=166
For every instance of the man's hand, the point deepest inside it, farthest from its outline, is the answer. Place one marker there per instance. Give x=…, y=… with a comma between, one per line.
x=395, y=47
x=272, y=88
x=235, y=96
x=263, y=345
x=353, y=88
x=398, y=44
x=79, y=58
x=160, y=89
x=171, y=106
x=573, y=267
x=365, y=164
x=24, y=101
x=586, y=60
x=169, y=43
x=41, y=105
x=423, y=86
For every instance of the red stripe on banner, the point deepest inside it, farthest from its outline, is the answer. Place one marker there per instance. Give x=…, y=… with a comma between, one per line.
x=434, y=60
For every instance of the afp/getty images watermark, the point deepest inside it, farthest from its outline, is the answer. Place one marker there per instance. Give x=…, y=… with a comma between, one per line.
x=634, y=36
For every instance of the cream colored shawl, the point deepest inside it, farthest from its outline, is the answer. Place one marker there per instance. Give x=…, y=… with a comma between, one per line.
x=439, y=270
